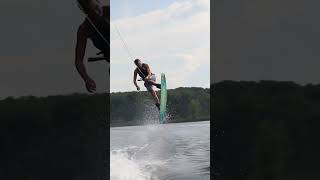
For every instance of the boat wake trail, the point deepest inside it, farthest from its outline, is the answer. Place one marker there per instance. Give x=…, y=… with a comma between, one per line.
x=141, y=160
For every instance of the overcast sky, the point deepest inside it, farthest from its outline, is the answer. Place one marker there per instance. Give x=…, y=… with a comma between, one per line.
x=37, y=49
x=266, y=39
x=172, y=36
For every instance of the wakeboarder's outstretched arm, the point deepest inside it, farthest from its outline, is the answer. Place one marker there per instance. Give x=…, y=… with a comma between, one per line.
x=80, y=51
x=135, y=79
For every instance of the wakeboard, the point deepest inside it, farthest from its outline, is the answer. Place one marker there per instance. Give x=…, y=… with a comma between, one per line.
x=163, y=99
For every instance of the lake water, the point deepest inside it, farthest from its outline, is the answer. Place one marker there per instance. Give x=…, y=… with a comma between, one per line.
x=176, y=151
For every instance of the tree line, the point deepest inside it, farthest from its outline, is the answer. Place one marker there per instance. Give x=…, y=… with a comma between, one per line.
x=127, y=108
x=183, y=104
x=265, y=130
x=55, y=137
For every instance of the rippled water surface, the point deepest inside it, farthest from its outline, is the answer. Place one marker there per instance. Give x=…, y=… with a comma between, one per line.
x=161, y=152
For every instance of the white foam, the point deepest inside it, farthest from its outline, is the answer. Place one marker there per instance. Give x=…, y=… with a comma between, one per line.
x=146, y=161
x=125, y=167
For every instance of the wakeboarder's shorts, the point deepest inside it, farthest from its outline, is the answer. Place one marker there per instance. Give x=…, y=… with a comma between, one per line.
x=148, y=85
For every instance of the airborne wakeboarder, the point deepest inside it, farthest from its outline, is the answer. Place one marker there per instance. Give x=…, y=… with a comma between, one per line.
x=149, y=79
